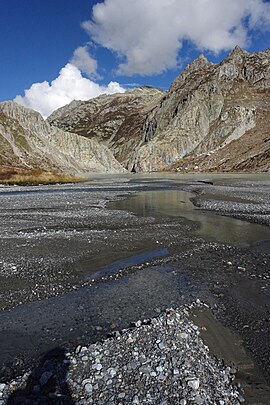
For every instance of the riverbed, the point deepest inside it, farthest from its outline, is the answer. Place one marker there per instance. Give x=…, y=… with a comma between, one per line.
x=79, y=261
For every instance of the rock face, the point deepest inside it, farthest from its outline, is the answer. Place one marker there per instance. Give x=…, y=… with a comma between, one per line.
x=26, y=140
x=114, y=120
x=214, y=117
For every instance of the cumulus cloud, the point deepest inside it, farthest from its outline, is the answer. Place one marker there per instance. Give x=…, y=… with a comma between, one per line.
x=148, y=35
x=70, y=85
x=84, y=61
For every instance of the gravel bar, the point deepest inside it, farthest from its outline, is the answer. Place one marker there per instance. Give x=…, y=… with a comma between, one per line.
x=161, y=361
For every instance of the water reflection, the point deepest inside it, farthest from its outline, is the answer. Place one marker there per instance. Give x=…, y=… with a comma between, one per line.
x=127, y=262
x=212, y=227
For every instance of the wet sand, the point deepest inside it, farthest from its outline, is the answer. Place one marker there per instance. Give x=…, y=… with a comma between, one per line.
x=56, y=240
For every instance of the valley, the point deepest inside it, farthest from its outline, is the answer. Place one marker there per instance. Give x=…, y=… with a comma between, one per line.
x=132, y=210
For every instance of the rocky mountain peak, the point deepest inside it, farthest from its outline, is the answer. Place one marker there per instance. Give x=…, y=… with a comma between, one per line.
x=15, y=110
x=65, y=110
x=209, y=109
x=199, y=62
x=198, y=67
x=236, y=56
x=28, y=118
x=238, y=51
x=26, y=140
x=242, y=65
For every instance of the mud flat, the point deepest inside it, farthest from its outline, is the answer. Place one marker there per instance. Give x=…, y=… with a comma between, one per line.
x=78, y=262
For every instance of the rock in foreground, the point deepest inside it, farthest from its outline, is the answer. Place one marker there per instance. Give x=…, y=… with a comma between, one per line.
x=162, y=361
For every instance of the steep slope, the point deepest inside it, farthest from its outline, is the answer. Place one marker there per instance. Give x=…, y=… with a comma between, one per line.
x=250, y=152
x=26, y=140
x=210, y=110
x=113, y=120
x=214, y=117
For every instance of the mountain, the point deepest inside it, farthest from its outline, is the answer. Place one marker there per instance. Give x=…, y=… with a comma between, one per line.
x=115, y=120
x=214, y=117
x=27, y=141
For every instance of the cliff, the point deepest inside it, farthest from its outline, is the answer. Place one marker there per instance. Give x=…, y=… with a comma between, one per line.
x=214, y=117
x=26, y=140
x=115, y=120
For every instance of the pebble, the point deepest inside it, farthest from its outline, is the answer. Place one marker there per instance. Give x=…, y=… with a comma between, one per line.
x=198, y=400
x=86, y=381
x=194, y=384
x=161, y=346
x=78, y=349
x=97, y=366
x=162, y=361
x=88, y=388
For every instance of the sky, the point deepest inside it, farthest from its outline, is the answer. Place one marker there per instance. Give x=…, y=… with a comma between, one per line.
x=54, y=51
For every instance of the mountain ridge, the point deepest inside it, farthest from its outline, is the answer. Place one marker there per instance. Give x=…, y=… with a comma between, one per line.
x=214, y=117
x=215, y=104
x=28, y=141
x=114, y=120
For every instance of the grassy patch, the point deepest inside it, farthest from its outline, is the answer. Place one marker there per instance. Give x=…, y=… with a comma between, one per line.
x=20, y=140
x=33, y=177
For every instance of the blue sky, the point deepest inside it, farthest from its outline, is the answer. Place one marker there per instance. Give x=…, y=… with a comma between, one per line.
x=37, y=39
x=121, y=41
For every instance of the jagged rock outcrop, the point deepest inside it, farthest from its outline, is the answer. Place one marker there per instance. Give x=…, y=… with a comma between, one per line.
x=209, y=111
x=214, y=117
x=26, y=140
x=208, y=108
x=114, y=120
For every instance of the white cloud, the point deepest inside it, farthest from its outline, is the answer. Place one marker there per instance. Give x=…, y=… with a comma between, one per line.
x=148, y=34
x=84, y=61
x=68, y=86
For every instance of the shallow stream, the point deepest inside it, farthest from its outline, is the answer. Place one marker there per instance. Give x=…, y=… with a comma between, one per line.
x=212, y=227
x=53, y=238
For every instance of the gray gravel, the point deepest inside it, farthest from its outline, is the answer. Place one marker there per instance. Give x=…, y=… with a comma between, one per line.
x=41, y=226
x=243, y=199
x=158, y=361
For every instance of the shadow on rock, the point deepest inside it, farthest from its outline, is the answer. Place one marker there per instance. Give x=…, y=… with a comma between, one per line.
x=47, y=383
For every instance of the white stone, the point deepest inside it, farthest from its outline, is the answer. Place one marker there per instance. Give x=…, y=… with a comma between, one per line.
x=194, y=384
